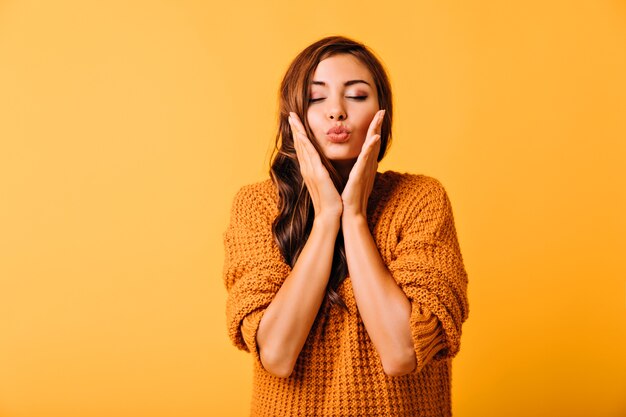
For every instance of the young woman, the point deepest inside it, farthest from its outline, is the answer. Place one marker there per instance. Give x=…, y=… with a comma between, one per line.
x=347, y=285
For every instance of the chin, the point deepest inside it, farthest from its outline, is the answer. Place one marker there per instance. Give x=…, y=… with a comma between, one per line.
x=342, y=161
x=341, y=156
x=345, y=159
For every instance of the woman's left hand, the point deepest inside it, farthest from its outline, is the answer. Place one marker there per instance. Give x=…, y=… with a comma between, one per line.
x=361, y=179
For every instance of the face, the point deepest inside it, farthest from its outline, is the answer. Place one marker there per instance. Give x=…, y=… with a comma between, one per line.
x=342, y=94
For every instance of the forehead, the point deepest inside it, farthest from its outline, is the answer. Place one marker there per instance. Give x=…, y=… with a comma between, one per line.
x=340, y=68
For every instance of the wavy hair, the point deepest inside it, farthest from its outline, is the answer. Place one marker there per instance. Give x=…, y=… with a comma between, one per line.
x=292, y=226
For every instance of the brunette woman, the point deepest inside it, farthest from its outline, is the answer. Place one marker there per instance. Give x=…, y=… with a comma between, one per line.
x=346, y=285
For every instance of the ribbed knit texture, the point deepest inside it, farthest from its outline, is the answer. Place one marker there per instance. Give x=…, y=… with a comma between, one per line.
x=338, y=371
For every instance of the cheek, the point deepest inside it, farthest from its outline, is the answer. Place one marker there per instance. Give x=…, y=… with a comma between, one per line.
x=316, y=122
x=362, y=120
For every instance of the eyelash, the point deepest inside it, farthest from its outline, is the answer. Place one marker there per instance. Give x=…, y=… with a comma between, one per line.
x=359, y=98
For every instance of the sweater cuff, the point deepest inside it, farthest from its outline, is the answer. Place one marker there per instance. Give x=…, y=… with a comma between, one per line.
x=249, y=328
x=428, y=337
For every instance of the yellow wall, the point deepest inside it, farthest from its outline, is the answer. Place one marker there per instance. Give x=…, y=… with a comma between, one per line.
x=127, y=127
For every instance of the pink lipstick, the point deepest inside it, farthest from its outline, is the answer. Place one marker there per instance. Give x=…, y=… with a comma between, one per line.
x=338, y=134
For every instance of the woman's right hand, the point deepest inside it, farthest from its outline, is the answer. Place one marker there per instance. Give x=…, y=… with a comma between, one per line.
x=326, y=199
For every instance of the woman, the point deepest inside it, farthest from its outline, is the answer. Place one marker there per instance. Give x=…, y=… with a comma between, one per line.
x=347, y=285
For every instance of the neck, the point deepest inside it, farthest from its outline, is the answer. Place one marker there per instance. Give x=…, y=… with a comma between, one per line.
x=343, y=168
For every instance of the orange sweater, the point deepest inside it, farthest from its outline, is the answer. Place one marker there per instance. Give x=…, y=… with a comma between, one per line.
x=338, y=371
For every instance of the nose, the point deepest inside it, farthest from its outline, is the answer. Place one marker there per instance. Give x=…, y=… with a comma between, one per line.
x=337, y=112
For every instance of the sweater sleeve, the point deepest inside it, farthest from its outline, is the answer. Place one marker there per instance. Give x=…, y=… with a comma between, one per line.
x=428, y=266
x=254, y=269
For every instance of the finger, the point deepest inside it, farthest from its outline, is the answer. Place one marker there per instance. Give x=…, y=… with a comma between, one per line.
x=306, y=163
x=368, y=156
x=370, y=147
x=311, y=150
x=293, y=136
x=304, y=153
x=297, y=126
x=357, y=168
x=297, y=123
x=309, y=158
x=376, y=123
x=373, y=153
x=300, y=152
x=306, y=142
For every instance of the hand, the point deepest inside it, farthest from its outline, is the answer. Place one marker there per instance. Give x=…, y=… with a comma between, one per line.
x=361, y=179
x=324, y=194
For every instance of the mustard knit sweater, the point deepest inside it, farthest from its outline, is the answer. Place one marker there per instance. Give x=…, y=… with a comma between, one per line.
x=338, y=371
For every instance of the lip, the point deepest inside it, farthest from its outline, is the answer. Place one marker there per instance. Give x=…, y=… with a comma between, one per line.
x=337, y=130
x=338, y=137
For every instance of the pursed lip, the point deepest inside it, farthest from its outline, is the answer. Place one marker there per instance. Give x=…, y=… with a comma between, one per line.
x=337, y=130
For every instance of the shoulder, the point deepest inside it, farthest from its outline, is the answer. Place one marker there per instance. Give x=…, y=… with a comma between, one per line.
x=255, y=198
x=421, y=203
x=413, y=189
x=260, y=190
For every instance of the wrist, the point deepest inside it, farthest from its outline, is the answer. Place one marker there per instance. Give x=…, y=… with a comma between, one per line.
x=353, y=218
x=327, y=222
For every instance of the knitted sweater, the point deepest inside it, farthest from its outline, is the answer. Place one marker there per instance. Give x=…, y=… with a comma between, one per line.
x=339, y=372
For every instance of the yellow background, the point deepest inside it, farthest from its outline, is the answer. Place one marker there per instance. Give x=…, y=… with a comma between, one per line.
x=127, y=127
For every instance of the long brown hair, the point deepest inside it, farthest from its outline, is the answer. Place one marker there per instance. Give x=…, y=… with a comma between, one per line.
x=293, y=224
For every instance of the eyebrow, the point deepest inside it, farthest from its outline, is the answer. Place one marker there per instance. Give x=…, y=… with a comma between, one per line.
x=347, y=83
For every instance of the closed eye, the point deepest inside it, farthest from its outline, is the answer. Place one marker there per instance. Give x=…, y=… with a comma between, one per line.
x=358, y=98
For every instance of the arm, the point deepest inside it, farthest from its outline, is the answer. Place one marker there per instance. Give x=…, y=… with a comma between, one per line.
x=285, y=325
x=259, y=281
x=384, y=308
x=428, y=266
